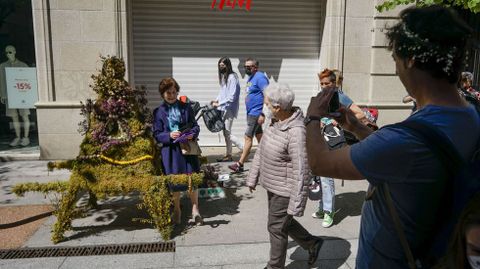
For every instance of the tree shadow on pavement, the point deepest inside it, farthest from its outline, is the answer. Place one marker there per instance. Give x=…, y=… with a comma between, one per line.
x=348, y=204
x=6, y=186
x=117, y=213
x=210, y=208
x=213, y=208
x=333, y=254
x=114, y=213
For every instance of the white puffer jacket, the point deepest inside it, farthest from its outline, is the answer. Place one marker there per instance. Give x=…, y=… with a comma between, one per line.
x=280, y=163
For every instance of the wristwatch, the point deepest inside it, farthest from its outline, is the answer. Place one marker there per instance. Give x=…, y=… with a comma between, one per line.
x=309, y=119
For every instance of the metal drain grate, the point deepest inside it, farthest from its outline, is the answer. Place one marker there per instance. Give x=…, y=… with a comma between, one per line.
x=23, y=253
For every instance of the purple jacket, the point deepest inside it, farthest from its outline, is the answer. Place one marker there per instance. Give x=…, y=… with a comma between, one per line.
x=173, y=161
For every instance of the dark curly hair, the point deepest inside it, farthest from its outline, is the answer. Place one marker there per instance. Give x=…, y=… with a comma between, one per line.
x=166, y=84
x=435, y=37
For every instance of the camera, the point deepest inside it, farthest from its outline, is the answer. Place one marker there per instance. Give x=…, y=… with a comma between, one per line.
x=334, y=103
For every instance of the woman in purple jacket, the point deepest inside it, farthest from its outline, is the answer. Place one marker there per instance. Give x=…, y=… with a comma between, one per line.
x=169, y=120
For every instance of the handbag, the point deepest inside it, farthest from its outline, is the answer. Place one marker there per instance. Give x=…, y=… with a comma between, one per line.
x=213, y=119
x=191, y=147
x=315, y=189
x=334, y=136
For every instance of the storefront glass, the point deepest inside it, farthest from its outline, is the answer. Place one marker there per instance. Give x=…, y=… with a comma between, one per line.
x=18, y=82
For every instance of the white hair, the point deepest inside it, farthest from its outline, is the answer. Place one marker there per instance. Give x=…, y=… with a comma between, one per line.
x=280, y=95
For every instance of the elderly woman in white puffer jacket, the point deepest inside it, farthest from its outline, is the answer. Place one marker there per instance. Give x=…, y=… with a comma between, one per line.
x=280, y=165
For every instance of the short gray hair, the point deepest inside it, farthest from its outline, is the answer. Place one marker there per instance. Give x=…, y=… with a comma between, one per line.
x=280, y=95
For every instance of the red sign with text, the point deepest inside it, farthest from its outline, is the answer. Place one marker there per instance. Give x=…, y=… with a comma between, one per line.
x=232, y=4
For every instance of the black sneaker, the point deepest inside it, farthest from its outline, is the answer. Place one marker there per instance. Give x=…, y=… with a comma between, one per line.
x=314, y=250
x=226, y=158
x=236, y=167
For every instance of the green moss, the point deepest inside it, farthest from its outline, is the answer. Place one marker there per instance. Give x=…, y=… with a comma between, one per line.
x=115, y=166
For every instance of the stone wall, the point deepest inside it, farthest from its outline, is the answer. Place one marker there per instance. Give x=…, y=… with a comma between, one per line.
x=369, y=70
x=70, y=35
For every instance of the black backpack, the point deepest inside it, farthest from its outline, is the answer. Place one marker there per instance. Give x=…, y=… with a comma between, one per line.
x=211, y=116
x=213, y=119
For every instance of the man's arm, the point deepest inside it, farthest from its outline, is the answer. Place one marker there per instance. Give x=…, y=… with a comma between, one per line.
x=322, y=160
x=262, y=84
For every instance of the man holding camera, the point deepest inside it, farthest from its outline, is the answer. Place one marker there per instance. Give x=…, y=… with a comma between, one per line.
x=428, y=47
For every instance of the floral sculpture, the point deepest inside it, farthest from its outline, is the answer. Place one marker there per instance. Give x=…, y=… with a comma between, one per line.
x=117, y=155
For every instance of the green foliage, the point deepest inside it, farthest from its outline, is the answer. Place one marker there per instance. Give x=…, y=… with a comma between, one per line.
x=45, y=188
x=472, y=5
x=61, y=165
x=117, y=155
x=105, y=180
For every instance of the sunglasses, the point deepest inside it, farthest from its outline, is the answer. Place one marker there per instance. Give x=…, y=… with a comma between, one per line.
x=326, y=83
x=9, y=52
x=248, y=66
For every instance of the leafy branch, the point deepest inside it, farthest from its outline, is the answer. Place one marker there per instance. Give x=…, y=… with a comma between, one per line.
x=472, y=5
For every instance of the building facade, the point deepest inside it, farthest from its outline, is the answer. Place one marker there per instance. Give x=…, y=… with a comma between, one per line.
x=293, y=41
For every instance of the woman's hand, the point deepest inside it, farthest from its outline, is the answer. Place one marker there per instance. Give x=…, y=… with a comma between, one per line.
x=214, y=103
x=190, y=137
x=347, y=119
x=175, y=134
x=351, y=123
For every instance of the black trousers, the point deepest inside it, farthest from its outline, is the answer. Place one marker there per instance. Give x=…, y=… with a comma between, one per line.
x=280, y=226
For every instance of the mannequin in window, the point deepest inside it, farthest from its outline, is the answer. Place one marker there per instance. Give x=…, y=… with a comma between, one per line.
x=12, y=61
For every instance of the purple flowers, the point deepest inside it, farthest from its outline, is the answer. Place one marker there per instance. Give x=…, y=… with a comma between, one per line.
x=107, y=118
x=116, y=108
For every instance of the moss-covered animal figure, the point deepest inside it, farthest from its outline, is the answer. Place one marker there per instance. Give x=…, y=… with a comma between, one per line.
x=117, y=155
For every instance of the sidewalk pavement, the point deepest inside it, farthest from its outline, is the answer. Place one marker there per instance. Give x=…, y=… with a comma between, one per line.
x=234, y=234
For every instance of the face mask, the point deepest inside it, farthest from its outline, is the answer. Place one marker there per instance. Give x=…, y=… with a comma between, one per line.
x=248, y=72
x=267, y=112
x=223, y=70
x=474, y=262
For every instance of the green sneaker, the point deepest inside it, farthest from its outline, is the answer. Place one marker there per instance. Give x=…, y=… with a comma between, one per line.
x=318, y=215
x=327, y=219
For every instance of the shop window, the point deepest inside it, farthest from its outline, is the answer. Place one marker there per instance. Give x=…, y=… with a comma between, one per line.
x=18, y=82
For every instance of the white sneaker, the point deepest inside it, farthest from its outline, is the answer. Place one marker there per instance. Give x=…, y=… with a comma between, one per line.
x=318, y=215
x=25, y=142
x=15, y=142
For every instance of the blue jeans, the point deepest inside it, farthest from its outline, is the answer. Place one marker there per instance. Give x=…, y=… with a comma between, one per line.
x=327, y=203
